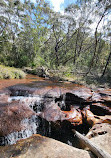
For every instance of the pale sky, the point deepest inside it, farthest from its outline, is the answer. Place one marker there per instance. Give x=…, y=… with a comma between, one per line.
x=59, y=5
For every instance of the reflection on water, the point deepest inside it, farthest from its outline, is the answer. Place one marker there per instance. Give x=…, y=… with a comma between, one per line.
x=10, y=82
x=35, y=81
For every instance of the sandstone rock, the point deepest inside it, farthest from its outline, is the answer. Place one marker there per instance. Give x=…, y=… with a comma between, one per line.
x=51, y=113
x=41, y=147
x=12, y=116
x=100, y=134
x=21, y=90
x=55, y=90
x=105, y=94
x=100, y=109
x=4, y=95
x=90, y=118
x=73, y=116
x=96, y=97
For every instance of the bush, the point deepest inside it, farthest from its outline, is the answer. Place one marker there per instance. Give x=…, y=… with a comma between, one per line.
x=11, y=73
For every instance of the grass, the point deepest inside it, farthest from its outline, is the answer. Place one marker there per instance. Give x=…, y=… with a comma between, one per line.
x=91, y=80
x=11, y=73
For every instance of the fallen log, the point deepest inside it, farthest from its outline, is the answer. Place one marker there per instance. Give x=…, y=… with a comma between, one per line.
x=95, y=149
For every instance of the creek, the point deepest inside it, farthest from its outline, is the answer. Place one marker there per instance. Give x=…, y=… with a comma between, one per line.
x=39, y=106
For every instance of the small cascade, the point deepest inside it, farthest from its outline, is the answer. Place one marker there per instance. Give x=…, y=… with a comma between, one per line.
x=37, y=106
x=49, y=128
x=25, y=99
x=31, y=128
x=63, y=106
x=34, y=102
x=38, y=124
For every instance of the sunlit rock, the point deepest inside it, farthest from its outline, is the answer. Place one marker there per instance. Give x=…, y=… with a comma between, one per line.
x=105, y=94
x=100, y=134
x=41, y=147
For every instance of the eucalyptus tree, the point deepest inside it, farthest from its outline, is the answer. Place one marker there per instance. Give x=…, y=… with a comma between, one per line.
x=25, y=24
x=35, y=29
x=68, y=34
x=88, y=42
x=103, y=9
x=10, y=14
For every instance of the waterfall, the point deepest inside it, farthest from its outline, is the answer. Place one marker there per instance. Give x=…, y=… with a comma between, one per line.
x=25, y=99
x=31, y=128
x=49, y=129
x=62, y=105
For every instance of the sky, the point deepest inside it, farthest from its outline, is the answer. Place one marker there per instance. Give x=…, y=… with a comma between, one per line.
x=59, y=5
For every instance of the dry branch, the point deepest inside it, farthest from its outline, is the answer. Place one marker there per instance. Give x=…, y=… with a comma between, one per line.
x=95, y=149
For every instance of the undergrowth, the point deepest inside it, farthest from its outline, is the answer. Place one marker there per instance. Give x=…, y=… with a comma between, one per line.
x=11, y=73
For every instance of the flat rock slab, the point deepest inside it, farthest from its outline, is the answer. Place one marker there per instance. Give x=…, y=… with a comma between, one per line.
x=100, y=135
x=51, y=89
x=105, y=94
x=41, y=147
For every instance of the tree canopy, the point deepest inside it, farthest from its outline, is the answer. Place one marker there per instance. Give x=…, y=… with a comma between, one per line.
x=33, y=34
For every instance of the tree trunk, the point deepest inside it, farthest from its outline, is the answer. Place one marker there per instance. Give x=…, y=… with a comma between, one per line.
x=107, y=62
x=96, y=42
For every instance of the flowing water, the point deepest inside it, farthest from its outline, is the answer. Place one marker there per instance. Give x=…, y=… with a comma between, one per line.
x=36, y=102
x=15, y=136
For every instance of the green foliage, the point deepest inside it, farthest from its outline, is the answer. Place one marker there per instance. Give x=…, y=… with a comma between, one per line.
x=11, y=73
x=33, y=35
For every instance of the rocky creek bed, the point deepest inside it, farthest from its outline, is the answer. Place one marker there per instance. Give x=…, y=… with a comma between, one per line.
x=35, y=110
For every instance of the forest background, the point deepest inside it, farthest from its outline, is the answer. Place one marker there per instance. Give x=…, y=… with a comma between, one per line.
x=34, y=35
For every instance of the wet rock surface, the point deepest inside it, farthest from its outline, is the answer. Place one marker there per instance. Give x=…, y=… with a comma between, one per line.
x=4, y=95
x=11, y=116
x=41, y=147
x=52, y=109
x=50, y=89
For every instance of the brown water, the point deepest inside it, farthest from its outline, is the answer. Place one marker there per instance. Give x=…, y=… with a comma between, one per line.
x=4, y=83
x=35, y=81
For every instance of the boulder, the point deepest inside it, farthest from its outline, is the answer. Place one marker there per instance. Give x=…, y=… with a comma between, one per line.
x=17, y=121
x=41, y=147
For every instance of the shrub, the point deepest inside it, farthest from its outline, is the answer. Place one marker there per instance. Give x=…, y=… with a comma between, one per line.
x=11, y=73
